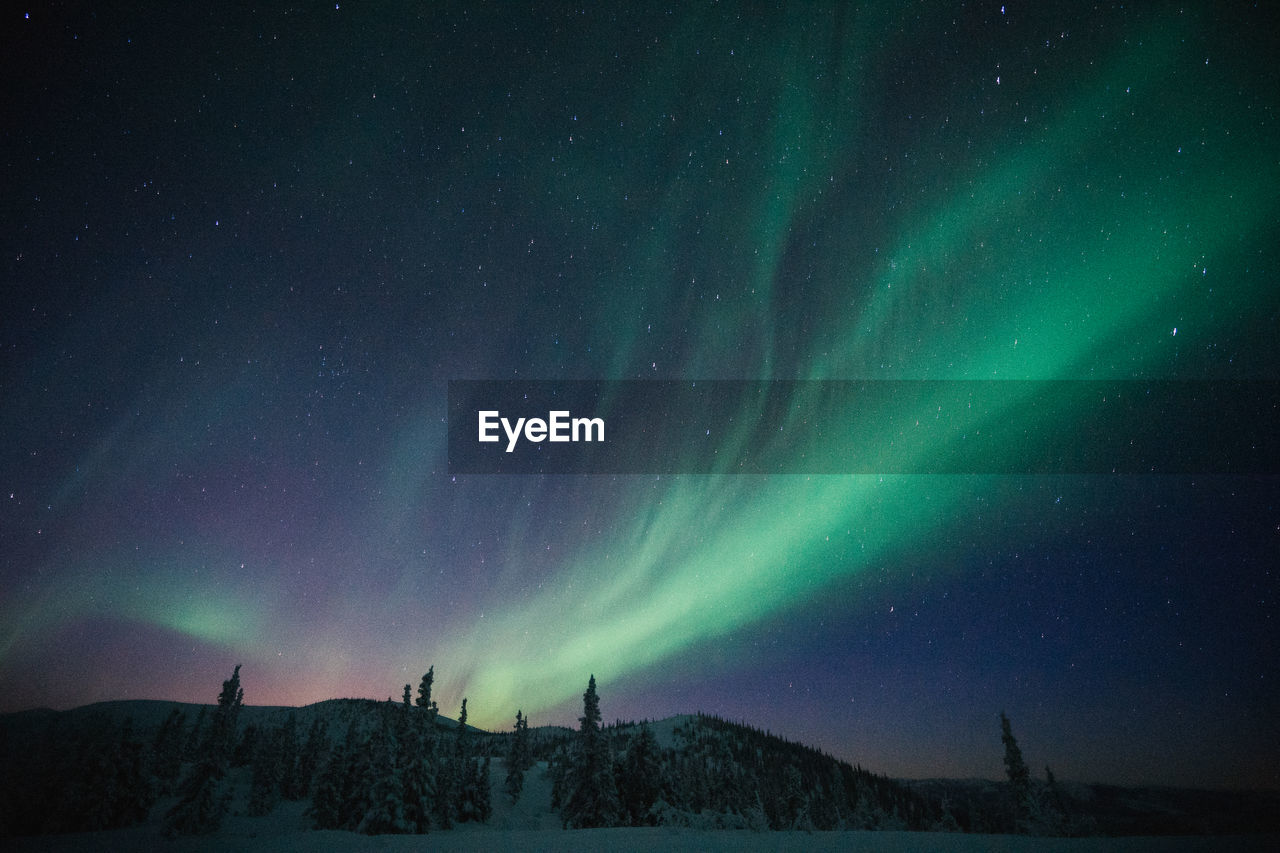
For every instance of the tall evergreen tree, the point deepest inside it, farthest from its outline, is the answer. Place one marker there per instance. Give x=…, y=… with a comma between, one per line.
x=793, y=802
x=424, y=699
x=482, y=797
x=331, y=790
x=592, y=798
x=203, y=804
x=417, y=747
x=118, y=790
x=135, y=784
x=471, y=790
x=1055, y=810
x=292, y=785
x=519, y=758
x=166, y=750
x=191, y=749
x=246, y=746
x=311, y=756
x=1019, y=775
x=226, y=717
x=640, y=778
x=268, y=773
x=383, y=780
x=462, y=767
x=446, y=786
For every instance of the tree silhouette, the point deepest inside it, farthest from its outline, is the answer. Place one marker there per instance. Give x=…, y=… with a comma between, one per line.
x=203, y=804
x=1019, y=775
x=592, y=796
x=518, y=758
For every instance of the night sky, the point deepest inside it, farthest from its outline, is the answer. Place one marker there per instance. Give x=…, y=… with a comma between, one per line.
x=245, y=249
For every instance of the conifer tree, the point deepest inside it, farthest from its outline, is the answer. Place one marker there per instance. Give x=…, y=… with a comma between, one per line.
x=1019, y=775
x=417, y=753
x=483, y=796
x=191, y=749
x=311, y=755
x=166, y=750
x=329, y=797
x=592, y=799
x=292, y=786
x=471, y=791
x=519, y=758
x=135, y=785
x=1055, y=810
x=639, y=779
x=268, y=773
x=424, y=699
x=382, y=779
x=793, y=805
x=446, y=786
x=203, y=804
x=246, y=746
x=117, y=788
x=222, y=730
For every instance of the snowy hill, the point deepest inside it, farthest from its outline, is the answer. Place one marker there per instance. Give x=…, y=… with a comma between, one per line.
x=709, y=784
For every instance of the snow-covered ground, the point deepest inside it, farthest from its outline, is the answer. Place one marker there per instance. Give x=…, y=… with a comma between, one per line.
x=272, y=836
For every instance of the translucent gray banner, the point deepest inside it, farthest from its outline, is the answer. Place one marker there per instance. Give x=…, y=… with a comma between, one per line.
x=863, y=427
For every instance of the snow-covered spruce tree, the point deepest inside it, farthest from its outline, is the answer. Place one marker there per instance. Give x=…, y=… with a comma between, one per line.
x=793, y=804
x=360, y=770
x=384, y=781
x=639, y=778
x=452, y=778
x=354, y=773
x=417, y=748
x=1019, y=776
x=292, y=786
x=311, y=756
x=191, y=747
x=203, y=804
x=518, y=759
x=135, y=787
x=226, y=717
x=97, y=790
x=329, y=793
x=558, y=773
x=268, y=773
x=446, y=788
x=481, y=796
x=424, y=699
x=462, y=769
x=120, y=790
x=1054, y=811
x=166, y=750
x=471, y=786
x=592, y=798
x=246, y=746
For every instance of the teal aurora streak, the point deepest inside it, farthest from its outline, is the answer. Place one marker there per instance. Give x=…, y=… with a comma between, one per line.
x=1074, y=254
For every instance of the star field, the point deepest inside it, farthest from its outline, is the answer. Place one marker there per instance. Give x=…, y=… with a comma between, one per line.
x=244, y=250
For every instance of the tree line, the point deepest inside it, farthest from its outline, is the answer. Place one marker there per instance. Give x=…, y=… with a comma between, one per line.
x=399, y=767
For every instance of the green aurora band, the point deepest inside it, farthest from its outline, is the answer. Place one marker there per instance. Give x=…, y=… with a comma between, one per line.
x=1038, y=266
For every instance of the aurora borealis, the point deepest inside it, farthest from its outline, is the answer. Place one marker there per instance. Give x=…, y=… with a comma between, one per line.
x=245, y=250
